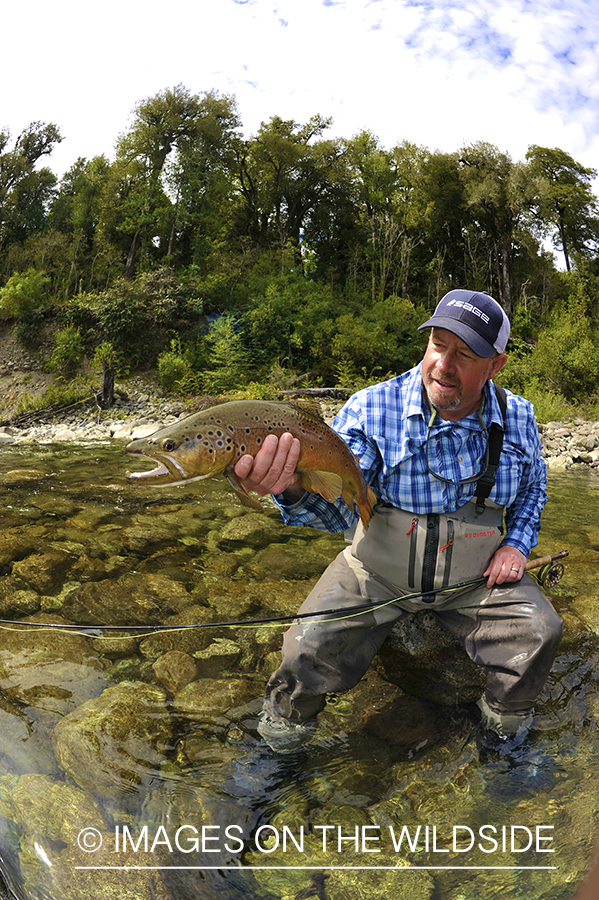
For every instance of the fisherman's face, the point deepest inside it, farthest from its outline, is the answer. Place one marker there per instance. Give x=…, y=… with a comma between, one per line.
x=454, y=376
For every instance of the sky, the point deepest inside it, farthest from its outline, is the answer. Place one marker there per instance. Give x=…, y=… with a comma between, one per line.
x=438, y=73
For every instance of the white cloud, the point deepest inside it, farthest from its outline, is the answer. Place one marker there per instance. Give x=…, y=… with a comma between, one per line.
x=437, y=73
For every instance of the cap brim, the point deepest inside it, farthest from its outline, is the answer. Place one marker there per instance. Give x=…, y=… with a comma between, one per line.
x=476, y=343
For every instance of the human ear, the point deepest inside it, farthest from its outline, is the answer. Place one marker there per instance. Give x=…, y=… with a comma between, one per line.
x=497, y=363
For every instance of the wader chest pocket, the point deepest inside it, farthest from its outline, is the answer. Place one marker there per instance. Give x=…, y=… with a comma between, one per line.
x=428, y=552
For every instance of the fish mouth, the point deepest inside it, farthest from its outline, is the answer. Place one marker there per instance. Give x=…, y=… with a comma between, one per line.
x=166, y=471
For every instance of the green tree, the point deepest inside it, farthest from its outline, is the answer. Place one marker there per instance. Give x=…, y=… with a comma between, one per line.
x=283, y=174
x=200, y=183
x=25, y=191
x=566, y=205
x=76, y=213
x=166, y=128
x=499, y=194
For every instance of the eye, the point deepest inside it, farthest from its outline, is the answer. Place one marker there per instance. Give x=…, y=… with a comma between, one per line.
x=169, y=444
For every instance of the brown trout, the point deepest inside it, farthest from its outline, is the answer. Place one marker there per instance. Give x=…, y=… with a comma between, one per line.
x=210, y=442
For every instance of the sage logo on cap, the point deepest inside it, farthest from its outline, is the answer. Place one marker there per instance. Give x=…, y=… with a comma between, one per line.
x=476, y=318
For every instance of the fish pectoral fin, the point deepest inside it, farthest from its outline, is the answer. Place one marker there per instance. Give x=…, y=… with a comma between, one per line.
x=242, y=495
x=327, y=484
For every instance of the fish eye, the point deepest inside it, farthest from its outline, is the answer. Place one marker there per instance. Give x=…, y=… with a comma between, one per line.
x=169, y=444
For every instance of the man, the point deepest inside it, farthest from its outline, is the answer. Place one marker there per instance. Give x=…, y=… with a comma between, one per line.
x=427, y=441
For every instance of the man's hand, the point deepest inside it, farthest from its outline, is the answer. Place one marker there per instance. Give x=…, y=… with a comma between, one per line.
x=272, y=470
x=506, y=566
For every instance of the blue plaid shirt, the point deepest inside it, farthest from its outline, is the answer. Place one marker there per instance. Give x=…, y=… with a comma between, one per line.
x=386, y=427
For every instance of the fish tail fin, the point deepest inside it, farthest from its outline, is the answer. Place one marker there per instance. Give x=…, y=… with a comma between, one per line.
x=364, y=500
x=366, y=506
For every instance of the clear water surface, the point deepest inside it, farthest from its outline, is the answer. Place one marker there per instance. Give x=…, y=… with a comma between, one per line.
x=130, y=766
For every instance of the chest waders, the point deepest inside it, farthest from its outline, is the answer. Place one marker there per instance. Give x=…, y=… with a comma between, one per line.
x=428, y=552
x=511, y=630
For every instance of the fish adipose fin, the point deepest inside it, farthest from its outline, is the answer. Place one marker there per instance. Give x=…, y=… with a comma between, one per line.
x=242, y=495
x=327, y=484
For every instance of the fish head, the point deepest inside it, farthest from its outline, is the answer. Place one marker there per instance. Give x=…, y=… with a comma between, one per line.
x=182, y=452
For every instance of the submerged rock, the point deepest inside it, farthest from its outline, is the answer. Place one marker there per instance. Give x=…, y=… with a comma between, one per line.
x=293, y=561
x=25, y=744
x=17, y=543
x=213, y=701
x=174, y=670
x=52, y=808
x=132, y=600
x=68, y=879
x=16, y=602
x=44, y=572
x=114, y=744
x=49, y=669
x=428, y=662
x=218, y=657
x=250, y=530
x=182, y=637
x=308, y=873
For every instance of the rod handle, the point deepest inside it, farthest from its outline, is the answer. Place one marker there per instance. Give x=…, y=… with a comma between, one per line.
x=544, y=560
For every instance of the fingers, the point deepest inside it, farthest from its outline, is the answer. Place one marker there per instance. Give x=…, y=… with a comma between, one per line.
x=506, y=566
x=272, y=470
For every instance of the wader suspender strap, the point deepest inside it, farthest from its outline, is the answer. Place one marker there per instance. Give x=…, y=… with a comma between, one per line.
x=496, y=432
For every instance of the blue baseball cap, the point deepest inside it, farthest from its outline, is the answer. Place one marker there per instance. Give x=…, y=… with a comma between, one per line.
x=476, y=318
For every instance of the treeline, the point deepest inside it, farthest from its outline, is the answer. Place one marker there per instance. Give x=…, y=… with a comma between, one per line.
x=291, y=256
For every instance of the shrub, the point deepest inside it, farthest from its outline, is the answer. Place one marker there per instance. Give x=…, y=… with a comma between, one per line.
x=68, y=352
x=173, y=367
x=228, y=361
x=564, y=361
x=24, y=293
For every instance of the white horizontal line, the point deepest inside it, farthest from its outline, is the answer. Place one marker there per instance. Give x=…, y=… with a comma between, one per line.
x=312, y=868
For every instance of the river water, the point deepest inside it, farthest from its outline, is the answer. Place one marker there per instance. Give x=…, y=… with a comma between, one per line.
x=130, y=765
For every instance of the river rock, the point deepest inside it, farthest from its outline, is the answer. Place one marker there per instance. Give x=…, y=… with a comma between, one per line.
x=145, y=538
x=182, y=637
x=44, y=572
x=220, y=655
x=174, y=670
x=428, y=662
x=212, y=701
x=18, y=543
x=25, y=745
x=16, y=602
x=114, y=744
x=291, y=561
x=53, y=809
x=132, y=600
x=49, y=669
x=252, y=529
x=137, y=880
x=307, y=872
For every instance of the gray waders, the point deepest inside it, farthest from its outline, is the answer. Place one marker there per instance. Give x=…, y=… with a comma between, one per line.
x=513, y=631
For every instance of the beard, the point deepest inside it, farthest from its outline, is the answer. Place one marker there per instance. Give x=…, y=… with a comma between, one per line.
x=436, y=399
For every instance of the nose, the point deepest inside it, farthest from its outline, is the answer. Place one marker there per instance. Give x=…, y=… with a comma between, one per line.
x=446, y=361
